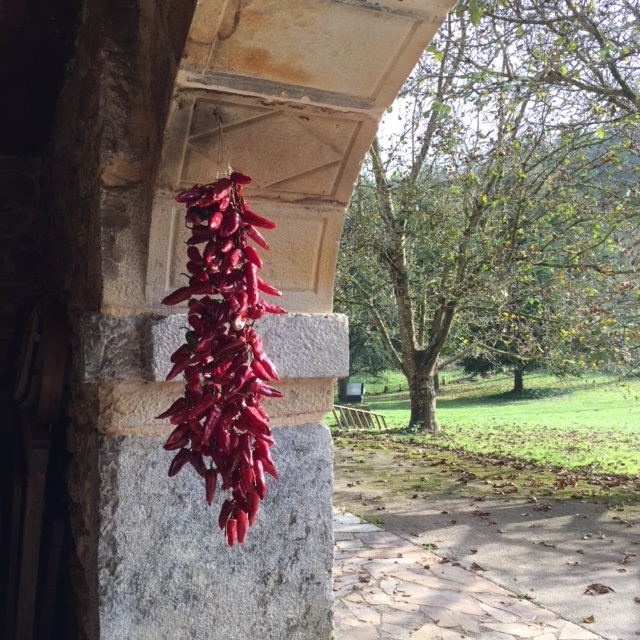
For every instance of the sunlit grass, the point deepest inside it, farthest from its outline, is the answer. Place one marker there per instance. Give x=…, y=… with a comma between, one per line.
x=590, y=422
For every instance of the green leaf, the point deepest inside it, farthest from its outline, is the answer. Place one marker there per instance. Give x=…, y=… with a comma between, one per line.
x=601, y=133
x=475, y=12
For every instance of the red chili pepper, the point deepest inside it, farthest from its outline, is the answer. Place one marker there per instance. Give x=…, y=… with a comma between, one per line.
x=265, y=390
x=227, y=246
x=253, y=219
x=253, y=256
x=219, y=418
x=189, y=195
x=201, y=408
x=256, y=311
x=178, y=296
x=247, y=476
x=251, y=276
x=232, y=528
x=272, y=308
x=211, y=478
x=243, y=523
x=178, y=444
x=256, y=236
x=194, y=255
x=252, y=415
x=268, y=366
x=179, y=353
x=260, y=483
x=240, y=178
x=230, y=225
x=261, y=451
x=213, y=415
x=177, y=434
x=177, y=406
x=199, y=233
x=183, y=456
x=260, y=371
x=267, y=288
x=268, y=439
x=270, y=469
x=221, y=187
x=225, y=512
x=194, y=268
x=253, y=501
x=178, y=367
x=198, y=463
x=215, y=221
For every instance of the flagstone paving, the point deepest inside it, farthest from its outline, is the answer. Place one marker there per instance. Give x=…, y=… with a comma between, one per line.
x=386, y=588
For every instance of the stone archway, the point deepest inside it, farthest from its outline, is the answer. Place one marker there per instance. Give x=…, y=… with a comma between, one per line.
x=294, y=89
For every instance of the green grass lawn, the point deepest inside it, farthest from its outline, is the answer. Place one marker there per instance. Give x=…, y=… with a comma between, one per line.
x=591, y=422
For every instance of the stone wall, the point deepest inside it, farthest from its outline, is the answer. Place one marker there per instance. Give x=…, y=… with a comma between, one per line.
x=162, y=94
x=99, y=179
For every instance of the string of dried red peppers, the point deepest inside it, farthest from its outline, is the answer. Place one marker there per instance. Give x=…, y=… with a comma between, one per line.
x=221, y=428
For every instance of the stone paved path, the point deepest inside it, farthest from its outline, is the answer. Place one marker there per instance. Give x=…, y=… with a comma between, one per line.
x=387, y=588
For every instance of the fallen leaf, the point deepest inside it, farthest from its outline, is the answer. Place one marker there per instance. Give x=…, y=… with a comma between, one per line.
x=598, y=589
x=476, y=567
x=589, y=619
x=637, y=599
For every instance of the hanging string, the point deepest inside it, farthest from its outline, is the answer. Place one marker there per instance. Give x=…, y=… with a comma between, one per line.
x=223, y=167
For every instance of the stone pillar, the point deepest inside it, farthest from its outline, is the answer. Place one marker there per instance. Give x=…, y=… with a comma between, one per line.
x=289, y=92
x=163, y=567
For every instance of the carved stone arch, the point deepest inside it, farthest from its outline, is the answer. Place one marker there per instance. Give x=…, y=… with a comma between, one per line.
x=162, y=94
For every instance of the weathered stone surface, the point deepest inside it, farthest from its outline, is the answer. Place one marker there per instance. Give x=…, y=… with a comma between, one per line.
x=129, y=408
x=114, y=347
x=139, y=347
x=300, y=262
x=300, y=345
x=320, y=38
x=165, y=571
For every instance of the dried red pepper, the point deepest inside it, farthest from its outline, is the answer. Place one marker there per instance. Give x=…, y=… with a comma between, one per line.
x=221, y=429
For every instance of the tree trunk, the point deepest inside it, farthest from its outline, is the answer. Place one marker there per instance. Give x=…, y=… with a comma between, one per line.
x=423, y=403
x=518, y=380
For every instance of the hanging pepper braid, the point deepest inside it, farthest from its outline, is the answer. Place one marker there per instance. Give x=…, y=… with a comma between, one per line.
x=221, y=429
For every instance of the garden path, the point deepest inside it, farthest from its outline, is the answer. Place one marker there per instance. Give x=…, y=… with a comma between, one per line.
x=387, y=588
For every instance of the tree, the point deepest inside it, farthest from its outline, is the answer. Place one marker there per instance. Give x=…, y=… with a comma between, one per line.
x=591, y=49
x=489, y=184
